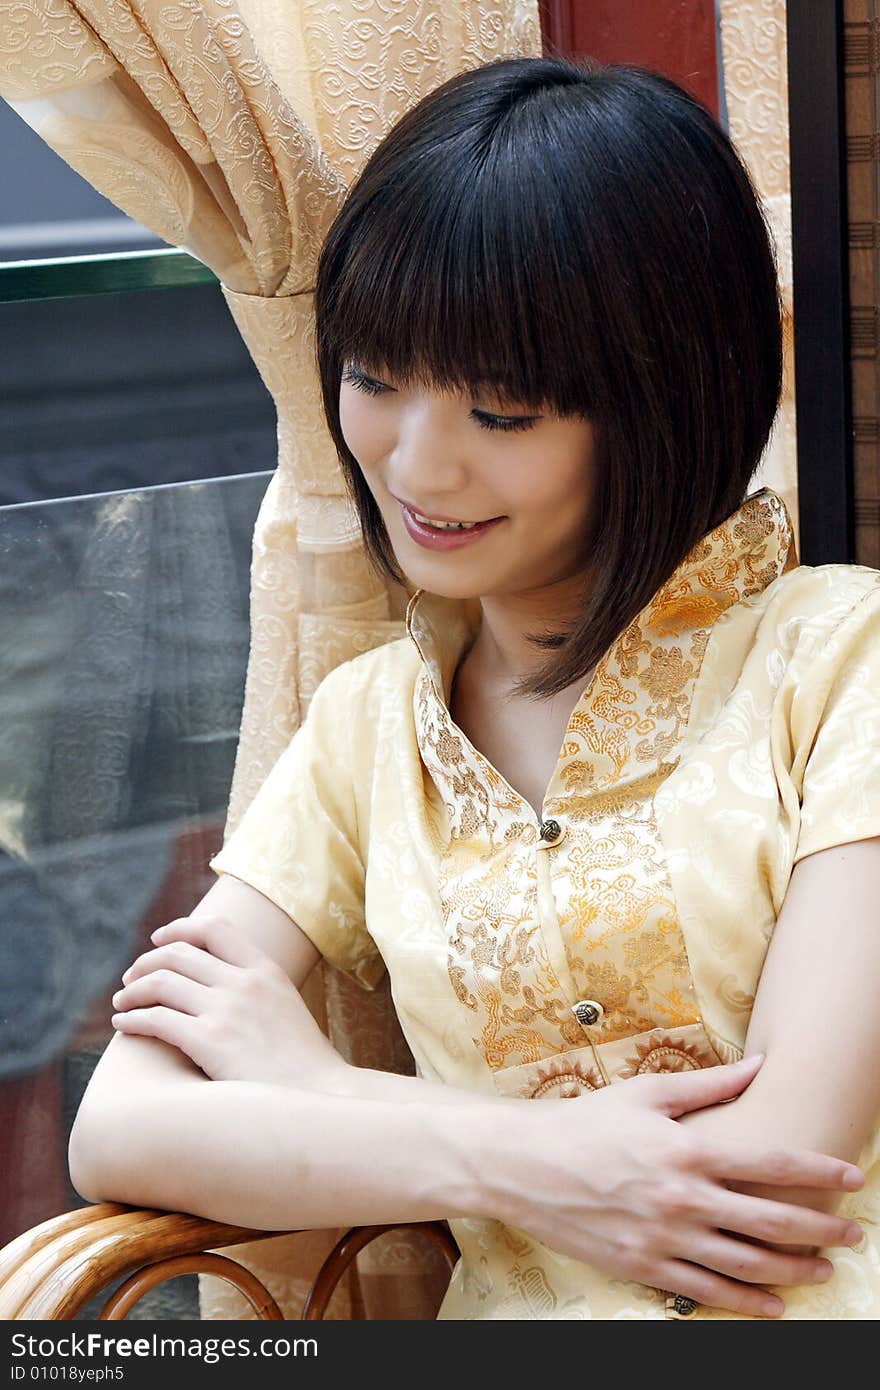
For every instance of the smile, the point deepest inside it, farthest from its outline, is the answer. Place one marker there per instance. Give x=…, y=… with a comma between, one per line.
x=444, y=525
x=444, y=535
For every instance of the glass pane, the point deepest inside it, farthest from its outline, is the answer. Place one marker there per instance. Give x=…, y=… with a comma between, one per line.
x=73, y=276
x=124, y=639
x=116, y=392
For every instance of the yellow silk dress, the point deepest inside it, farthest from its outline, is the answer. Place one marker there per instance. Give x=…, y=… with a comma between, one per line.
x=732, y=729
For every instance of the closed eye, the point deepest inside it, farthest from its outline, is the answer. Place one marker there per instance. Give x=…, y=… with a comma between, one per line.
x=371, y=387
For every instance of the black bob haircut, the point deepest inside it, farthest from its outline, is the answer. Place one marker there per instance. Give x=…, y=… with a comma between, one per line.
x=585, y=238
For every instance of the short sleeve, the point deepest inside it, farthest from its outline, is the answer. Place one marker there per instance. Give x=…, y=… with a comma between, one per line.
x=839, y=721
x=297, y=843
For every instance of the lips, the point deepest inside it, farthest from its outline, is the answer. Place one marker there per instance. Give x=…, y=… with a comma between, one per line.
x=447, y=538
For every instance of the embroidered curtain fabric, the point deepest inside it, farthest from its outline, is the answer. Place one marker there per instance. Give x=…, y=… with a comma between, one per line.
x=753, y=60
x=232, y=129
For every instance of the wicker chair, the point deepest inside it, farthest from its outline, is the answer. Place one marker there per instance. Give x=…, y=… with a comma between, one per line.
x=51, y=1271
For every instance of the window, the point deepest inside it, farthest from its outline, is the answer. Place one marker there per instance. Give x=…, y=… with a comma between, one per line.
x=136, y=442
x=124, y=631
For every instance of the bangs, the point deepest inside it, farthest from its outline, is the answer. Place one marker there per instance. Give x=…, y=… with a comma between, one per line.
x=456, y=282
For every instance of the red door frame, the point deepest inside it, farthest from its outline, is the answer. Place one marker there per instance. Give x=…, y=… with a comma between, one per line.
x=675, y=37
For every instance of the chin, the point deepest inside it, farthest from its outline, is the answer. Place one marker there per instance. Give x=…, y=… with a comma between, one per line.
x=441, y=579
x=433, y=579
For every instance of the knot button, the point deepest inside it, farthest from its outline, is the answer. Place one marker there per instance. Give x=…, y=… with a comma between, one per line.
x=587, y=1012
x=683, y=1306
x=550, y=830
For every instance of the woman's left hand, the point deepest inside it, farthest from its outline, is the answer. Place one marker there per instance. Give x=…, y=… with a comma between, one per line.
x=751, y=1117
x=228, y=1005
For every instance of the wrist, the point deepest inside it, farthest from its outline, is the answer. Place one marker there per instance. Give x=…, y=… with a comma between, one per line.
x=464, y=1138
x=484, y=1143
x=334, y=1077
x=457, y=1155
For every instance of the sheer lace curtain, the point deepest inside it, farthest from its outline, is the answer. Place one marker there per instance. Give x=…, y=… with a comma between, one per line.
x=232, y=129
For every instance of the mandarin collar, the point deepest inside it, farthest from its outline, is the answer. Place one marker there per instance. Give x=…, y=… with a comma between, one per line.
x=742, y=555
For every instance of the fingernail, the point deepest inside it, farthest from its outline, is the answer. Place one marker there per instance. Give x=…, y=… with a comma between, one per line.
x=116, y=997
x=125, y=975
x=854, y=1178
x=154, y=935
x=773, y=1307
x=854, y=1235
x=824, y=1270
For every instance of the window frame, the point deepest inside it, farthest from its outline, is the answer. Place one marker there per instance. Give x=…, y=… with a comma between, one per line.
x=68, y=277
x=820, y=251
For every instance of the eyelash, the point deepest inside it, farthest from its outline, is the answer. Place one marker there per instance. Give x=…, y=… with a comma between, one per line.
x=487, y=422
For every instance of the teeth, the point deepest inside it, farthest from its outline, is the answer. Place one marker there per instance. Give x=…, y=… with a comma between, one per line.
x=446, y=525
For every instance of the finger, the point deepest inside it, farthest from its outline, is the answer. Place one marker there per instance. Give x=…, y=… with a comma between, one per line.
x=736, y=1160
x=163, y=987
x=780, y=1223
x=755, y=1264
x=675, y=1093
x=185, y=959
x=215, y=934
x=717, y=1291
x=181, y=1030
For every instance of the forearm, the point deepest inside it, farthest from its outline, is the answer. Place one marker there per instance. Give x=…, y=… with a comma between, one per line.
x=365, y=1083
x=279, y=1158
x=815, y=1019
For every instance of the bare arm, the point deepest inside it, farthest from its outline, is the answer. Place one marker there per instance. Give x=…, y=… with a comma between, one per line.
x=816, y=1019
x=275, y=1158
x=148, y=1101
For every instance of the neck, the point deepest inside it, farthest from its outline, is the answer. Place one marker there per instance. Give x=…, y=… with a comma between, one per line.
x=501, y=648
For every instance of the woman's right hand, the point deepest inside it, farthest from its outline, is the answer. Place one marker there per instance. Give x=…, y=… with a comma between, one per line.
x=613, y=1180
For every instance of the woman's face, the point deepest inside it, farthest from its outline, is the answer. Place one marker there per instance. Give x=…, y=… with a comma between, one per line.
x=456, y=457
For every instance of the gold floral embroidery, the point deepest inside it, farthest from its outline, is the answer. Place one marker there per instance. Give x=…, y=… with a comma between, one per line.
x=666, y=1054
x=506, y=979
x=612, y=901
x=560, y=1078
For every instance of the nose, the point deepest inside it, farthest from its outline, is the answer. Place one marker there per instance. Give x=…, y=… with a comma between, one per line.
x=426, y=462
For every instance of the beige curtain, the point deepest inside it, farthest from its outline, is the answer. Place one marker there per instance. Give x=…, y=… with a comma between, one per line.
x=755, y=80
x=232, y=129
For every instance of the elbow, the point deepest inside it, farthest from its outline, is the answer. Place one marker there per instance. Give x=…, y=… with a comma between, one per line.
x=84, y=1149
x=101, y=1154
x=119, y=1152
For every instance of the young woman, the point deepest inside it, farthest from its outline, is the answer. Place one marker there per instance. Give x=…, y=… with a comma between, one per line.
x=624, y=742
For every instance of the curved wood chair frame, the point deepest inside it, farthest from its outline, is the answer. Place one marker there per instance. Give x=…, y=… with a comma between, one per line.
x=51, y=1271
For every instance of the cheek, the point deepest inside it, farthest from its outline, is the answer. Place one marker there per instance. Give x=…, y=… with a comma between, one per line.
x=562, y=487
x=551, y=499
x=348, y=419
x=359, y=426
